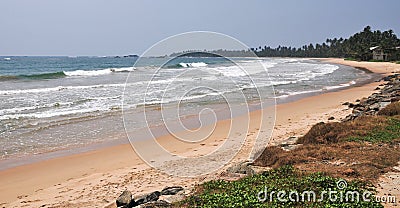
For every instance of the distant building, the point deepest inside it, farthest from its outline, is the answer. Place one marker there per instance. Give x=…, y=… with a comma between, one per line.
x=379, y=54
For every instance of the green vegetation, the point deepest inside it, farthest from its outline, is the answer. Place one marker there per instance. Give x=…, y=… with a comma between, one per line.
x=245, y=192
x=385, y=133
x=356, y=47
x=360, y=151
x=350, y=59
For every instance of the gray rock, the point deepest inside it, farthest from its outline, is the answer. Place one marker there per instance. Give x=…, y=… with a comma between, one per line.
x=374, y=106
x=388, y=92
x=148, y=198
x=125, y=199
x=384, y=104
x=171, y=190
x=291, y=147
x=241, y=168
x=174, y=198
x=289, y=141
x=155, y=204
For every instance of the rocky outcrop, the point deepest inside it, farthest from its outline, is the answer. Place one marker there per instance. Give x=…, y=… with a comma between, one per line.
x=390, y=92
x=125, y=200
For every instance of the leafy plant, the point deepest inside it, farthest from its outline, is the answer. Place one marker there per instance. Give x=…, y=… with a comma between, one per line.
x=248, y=191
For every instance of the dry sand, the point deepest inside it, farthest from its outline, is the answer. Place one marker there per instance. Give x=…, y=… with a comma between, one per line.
x=96, y=178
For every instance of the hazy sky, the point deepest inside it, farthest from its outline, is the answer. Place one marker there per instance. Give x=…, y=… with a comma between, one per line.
x=118, y=27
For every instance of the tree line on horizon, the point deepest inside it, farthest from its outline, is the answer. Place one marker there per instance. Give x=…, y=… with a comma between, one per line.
x=355, y=47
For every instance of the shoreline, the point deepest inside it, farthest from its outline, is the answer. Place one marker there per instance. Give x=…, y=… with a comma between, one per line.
x=21, y=160
x=293, y=118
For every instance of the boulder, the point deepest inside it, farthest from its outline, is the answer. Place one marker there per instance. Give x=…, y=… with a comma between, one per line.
x=171, y=190
x=125, y=200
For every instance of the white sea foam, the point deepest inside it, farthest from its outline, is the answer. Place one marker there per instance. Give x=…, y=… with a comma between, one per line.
x=58, y=88
x=88, y=73
x=121, y=85
x=123, y=69
x=339, y=86
x=27, y=108
x=53, y=113
x=326, y=88
x=193, y=64
x=231, y=71
x=98, y=72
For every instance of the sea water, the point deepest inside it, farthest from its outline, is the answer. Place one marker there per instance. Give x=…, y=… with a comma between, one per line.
x=57, y=103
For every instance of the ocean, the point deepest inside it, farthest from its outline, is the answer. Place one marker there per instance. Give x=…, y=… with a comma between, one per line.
x=50, y=104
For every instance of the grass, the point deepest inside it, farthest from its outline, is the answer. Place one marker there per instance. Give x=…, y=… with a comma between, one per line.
x=369, y=128
x=245, y=192
x=350, y=59
x=350, y=160
x=392, y=109
x=386, y=133
x=359, y=151
x=373, y=60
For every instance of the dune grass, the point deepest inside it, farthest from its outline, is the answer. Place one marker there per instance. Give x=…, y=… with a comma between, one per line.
x=359, y=151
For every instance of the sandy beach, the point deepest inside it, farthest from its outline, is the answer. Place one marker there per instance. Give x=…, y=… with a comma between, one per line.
x=96, y=178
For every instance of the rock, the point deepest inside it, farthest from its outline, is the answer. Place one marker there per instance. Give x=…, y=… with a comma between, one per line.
x=171, y=190
x=155, y=204
x=338, y=163
x=289, y=141
x=346, y=103
x=389, y=92
x=384, y=104
x=241, y=168
x=331, y=118
x=125, y=200
x=181, y=195
x=387, y=79
x=377, y=88
x=395, y=99
x=291, y=147
x=374, y=106
x=148, y=198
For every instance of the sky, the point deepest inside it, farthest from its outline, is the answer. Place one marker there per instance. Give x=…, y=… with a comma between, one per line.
x=119, y=27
